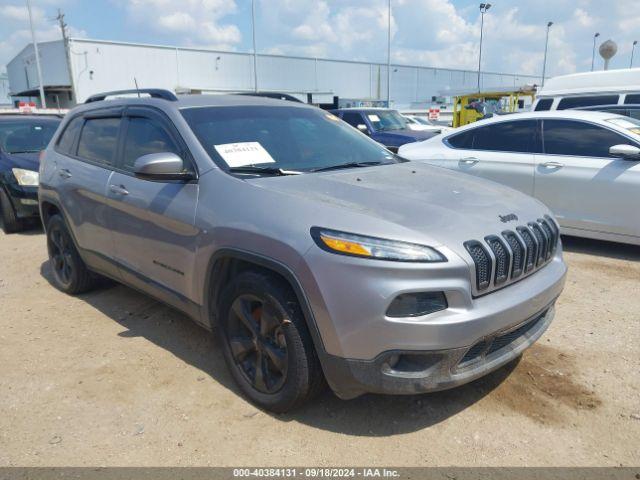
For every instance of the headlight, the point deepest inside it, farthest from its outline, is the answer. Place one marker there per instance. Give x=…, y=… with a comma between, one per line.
x=370, y=247
x=26, y=178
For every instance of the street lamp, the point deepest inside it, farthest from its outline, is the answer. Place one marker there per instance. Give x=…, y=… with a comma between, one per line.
x=593, y=53
x=483, y=9
x=633, y=47
x=389, y=55
x=255, y=52
x=43, y=101
x=546, y=45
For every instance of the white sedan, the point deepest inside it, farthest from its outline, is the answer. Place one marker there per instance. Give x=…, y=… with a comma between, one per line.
x=585, y=166
x=423, y=124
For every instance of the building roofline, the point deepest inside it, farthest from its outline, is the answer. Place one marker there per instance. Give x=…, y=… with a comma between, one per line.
x=272, y=55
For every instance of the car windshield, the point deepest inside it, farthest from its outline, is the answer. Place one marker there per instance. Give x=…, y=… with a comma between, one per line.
x=267, y=139
x=385, y=120
x=422, y=121
x=26, y=135
x=629, y=123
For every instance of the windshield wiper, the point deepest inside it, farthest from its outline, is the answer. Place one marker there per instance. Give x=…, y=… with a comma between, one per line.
x=346, y=165
x=25, y=151
x=264, y=170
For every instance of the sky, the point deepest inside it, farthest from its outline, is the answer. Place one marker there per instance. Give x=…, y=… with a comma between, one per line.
x=437, y=33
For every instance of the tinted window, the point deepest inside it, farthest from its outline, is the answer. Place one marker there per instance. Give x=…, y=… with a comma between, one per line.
x=517, y=136
x=565, y=137
x=575, y=102
x=68, y=137
x=544, y=104
x=17, y=136
x=462, y=140
x=98, y=140
x=352, y=118
x=281, y=137
x=632, y=98
x=144, y=137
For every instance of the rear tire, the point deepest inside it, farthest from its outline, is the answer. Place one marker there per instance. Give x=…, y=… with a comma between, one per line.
x=10, y=222
x=70, y=274
x=266, y=342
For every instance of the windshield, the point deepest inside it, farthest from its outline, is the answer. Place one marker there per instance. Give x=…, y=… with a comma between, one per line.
x=286, y=138
x=422, y=121
x=21, y=136
x=385, y=120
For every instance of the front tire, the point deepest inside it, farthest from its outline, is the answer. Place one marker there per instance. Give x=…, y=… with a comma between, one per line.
x=266, y=343
x=10, y=222
x=70, y=274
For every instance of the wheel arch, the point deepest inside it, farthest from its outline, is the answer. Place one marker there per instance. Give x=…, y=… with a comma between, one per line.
x=227, y=262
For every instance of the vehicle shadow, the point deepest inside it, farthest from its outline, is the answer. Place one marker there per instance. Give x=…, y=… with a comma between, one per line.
x=369, y=415
x=620, y=251
x=31, y=227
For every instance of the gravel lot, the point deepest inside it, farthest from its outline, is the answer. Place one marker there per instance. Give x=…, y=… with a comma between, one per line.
x=114, y=378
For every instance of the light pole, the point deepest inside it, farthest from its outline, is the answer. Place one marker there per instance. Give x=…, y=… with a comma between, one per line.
x=546, y=45
x=255, y=52
x=389, y=56
x=483, y=9
x=633, y=47
x=593, y=52
x=43, y=101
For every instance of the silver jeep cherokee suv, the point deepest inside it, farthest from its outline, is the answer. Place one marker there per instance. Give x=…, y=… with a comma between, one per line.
x=315, y=252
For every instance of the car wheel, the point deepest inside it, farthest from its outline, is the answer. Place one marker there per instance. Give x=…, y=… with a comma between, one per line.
x=10, y=222
x=70, y=274
x=266, y=343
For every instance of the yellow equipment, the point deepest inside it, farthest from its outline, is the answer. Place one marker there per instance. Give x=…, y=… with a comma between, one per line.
x=472, y=106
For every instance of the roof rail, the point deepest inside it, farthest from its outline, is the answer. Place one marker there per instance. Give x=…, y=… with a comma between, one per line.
x=152, y=92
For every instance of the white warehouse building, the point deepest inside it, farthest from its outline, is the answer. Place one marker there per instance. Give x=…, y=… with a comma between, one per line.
x=83, y=67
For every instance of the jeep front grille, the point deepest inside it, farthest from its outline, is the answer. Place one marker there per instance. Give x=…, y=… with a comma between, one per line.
x=502, y=259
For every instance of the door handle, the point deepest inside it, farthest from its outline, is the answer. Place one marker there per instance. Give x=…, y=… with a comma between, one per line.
x=553, y=165
x=118, y=189
x=469, y=160
x=64, y=173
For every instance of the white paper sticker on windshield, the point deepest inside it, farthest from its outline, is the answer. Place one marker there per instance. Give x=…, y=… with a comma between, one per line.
x=244, y=153
x=374, y=118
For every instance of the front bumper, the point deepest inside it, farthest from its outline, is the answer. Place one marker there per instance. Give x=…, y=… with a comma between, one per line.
x=24, y=200
x=412, y=372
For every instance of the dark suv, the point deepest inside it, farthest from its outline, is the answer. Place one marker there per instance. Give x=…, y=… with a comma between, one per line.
x=384, y=125
x=22, y=138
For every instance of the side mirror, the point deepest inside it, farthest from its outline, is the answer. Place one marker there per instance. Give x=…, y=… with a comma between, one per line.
x=363, y=128
x=160, y=167
x=628, y=152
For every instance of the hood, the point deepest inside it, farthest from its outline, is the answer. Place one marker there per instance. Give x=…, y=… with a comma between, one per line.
x=410, y=201
x=27, y=161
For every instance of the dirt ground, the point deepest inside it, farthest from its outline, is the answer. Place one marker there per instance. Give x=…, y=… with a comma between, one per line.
x=114, y=378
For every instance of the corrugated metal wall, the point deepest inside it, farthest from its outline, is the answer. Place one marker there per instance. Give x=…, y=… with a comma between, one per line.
x=101, y=66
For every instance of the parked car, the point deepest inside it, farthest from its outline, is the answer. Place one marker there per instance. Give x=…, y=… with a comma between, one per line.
x=314, y=252
x=384, y=125
x=420, y=123
x=631, y=110
x=22, y=138
x=587, y=89
x=585, y=166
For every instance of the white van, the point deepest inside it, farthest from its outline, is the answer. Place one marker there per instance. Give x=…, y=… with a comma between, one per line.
x=609, y=87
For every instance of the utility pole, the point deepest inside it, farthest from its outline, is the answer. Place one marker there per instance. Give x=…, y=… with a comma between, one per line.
x=389, y=55
x=255, y=52
x=593, y=52
x=633, y=47
x=43, y=101
x=546, y=45
x=483, y=9
x=67, y=47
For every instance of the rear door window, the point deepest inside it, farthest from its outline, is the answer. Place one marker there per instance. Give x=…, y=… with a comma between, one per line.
x=463, y=140
x=587, y=101
x=145, y=136
x=519, y=137
x=567, y=137
x=99, y=140
x=544, y=104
